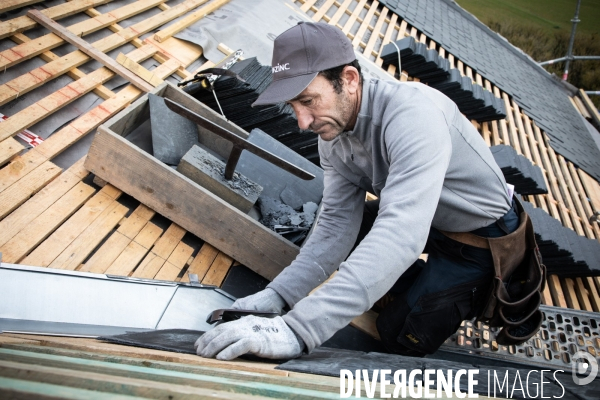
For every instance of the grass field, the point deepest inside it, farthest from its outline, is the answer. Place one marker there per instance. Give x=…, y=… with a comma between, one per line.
x=549, y=15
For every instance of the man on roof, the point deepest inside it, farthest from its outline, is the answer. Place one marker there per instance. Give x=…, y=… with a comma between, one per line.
x=432, y=172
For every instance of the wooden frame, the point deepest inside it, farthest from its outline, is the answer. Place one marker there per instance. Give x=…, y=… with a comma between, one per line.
x=154, y=184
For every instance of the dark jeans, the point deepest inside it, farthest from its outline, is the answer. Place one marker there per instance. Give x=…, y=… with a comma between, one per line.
x=432, y=298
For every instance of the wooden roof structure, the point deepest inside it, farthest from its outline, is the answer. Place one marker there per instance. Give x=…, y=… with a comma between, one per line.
x=63, y=218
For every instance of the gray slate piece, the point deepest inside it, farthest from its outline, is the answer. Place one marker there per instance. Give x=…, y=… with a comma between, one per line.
x=541, y=97
x=172, y=134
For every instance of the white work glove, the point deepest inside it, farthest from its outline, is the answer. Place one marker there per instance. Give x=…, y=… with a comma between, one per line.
x=267, y=300
x=264, y=337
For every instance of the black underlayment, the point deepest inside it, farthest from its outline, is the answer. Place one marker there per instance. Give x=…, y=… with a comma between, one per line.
x=236, y=98
x=564, y=252
x=176, y=340
x=472, y=100
x=330, y=362
x=519, y=171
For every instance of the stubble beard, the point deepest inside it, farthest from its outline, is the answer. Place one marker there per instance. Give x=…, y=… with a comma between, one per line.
x=342, y=116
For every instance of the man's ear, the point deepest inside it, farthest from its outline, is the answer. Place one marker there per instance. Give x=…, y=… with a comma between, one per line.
x=351, y=78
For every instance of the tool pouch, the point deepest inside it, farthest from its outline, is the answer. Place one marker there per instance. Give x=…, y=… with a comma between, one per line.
x=514, y=300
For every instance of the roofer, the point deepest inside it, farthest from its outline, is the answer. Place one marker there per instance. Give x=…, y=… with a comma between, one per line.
x=434, y=176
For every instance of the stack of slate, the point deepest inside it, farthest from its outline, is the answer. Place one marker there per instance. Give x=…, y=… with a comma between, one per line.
x=564, y=252
x=236, y=98
x=472, y=99
x=519, y=171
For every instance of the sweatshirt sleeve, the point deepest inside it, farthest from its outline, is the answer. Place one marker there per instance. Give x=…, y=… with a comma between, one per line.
x=418, y=146
x=331, y=240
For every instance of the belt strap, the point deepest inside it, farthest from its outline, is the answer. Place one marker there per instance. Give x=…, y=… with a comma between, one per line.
x=468, y=238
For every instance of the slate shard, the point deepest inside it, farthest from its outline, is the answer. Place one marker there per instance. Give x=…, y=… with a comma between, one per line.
x=172, y=134
x=519, y=171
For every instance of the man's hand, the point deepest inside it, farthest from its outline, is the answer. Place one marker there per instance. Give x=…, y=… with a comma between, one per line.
x=266, y=300
x=264, y=337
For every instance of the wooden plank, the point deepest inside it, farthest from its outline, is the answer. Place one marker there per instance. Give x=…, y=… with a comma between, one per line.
x=180, y=25
x=169, y=241
x=299, y=380
x=218, y=270
x=31, y=48
x=22, y=217
x=583, y=295
x=86, y=242
x=135, y=251
x=307, y=5
x=591, y=108
x=202, y=262
x=574, y=198
x=106, y=384
x=343, y=8
x=74, y=73
x=547, y=296
x=52, y=103
x=106, y=254
x=387, y=37
x=557, y=293
x=584, y=199
x=570, y=293
x=9, y=149
x=175, y=263
x=19, y=167
x=350, y=22
x=366, y=324
x=20, y=389
x=365, y=24
x=41, y=227
x=522, y=135
x=92, y=345
x=8, y=5
x=136, y=221
x=592, y=189
x=149, y=267
x=89, y=50
x=375, y=34
x=16, y=195
x=593, y=291
x=323, y=10
x=55, y=244
x=137, y=69
x=198, y=211
x=64, y=10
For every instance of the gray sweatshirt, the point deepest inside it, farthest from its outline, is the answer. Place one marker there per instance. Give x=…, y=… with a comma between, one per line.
x=428, y=165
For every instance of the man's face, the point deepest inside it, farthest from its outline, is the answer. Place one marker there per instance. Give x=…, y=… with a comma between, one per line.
x=322, y=110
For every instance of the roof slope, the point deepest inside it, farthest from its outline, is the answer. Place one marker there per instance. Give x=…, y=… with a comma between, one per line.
x=536, y=92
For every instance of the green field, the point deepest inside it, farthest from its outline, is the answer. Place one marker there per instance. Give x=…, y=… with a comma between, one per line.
x=549, y=15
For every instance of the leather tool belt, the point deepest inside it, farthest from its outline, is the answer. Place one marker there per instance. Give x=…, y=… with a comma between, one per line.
x=520, y=277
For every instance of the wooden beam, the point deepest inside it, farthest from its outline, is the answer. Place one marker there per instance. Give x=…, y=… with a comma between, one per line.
x=52, y=103
x=64, y=10
x=178, y=26
x=9, y=149
x=89, y=50
x=590, y=107
x=47, y=251
x=138, y=70
x=7, y=5
x=39, y=229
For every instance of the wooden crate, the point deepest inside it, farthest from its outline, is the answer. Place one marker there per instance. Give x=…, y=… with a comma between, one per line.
x=153, y=183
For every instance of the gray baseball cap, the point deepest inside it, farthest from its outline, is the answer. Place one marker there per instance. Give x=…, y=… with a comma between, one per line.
x=299, y=54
